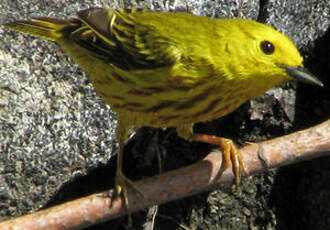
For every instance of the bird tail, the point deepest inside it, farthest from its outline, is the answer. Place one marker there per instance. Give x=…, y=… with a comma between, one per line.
x=51, y=29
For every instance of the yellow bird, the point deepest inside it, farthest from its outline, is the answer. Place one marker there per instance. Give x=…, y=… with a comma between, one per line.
x=173, y=69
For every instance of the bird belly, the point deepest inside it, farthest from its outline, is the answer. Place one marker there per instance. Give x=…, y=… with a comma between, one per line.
x=159, y=105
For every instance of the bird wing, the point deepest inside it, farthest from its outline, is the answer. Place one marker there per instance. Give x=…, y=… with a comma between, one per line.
x=116, y=37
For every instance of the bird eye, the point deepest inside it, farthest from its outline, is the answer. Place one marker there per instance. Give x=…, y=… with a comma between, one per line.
x=267, y=47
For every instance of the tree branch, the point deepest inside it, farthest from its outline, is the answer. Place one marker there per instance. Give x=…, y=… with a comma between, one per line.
x=201, y=176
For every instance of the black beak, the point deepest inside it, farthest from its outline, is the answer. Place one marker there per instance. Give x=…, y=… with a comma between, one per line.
x=302, y=75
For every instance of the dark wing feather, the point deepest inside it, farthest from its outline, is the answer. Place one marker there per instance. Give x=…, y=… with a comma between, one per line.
x=117, y=38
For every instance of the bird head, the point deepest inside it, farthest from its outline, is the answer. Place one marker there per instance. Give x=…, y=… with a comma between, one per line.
x=269, y=57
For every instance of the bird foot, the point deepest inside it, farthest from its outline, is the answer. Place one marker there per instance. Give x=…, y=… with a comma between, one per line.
x=229, y=151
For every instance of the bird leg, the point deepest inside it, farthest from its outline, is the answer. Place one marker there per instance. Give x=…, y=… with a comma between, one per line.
x=121, y=180
x=122, y=183
x=229, y=151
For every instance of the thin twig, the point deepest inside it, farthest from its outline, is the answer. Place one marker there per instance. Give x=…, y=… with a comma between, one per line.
x=201, y=176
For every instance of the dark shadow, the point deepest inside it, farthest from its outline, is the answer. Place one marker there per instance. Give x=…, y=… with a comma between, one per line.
x=141, y=160
x=301, y=192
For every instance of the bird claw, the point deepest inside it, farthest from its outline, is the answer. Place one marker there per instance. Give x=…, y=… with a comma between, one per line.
x=229, y=151
x=231, y=155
